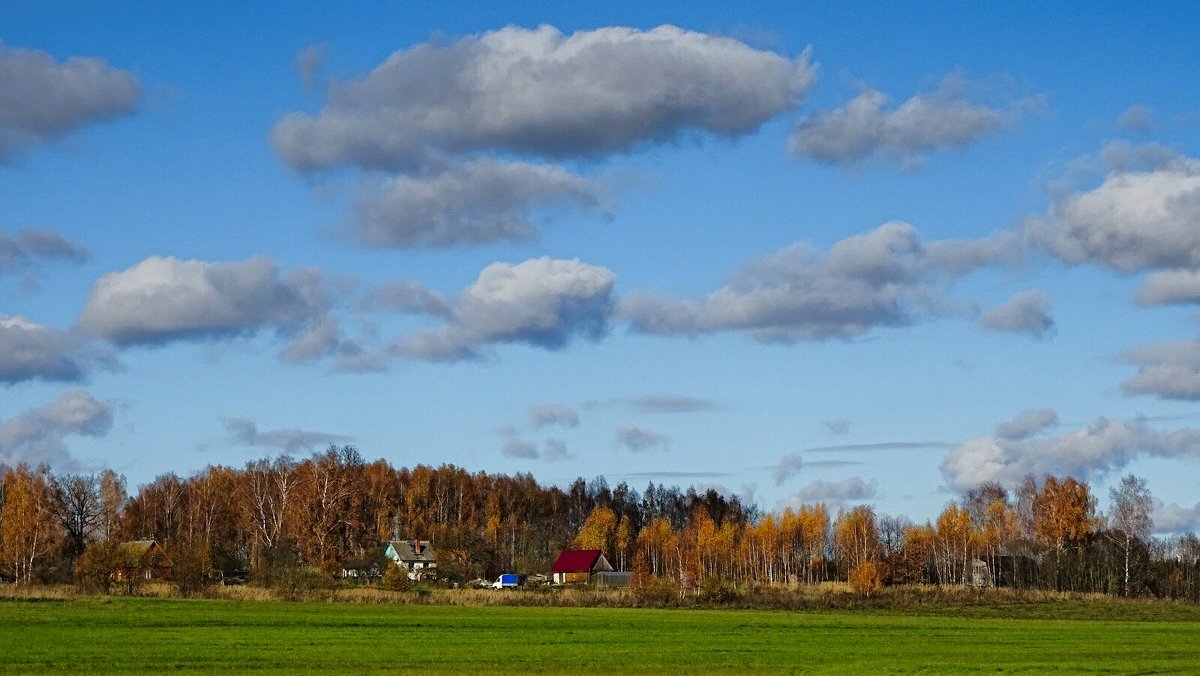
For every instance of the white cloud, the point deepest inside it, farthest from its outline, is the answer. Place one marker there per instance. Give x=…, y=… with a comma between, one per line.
x=43, y=99
x=637, y=439
x=1173, y=518
x=1170, y=287
x=848, y=490
x=29, y=246
x=543, y=93
x=479, y=202
x=1028, y=423
x=31, y=351
x=1135, y=220
x=37, y=435
x=1102, y=447
x=556, y=451
x=290, y=440
x=553, y=414
x=408, y=297
x=672, y=403
x=864, y=127
x=1169, y=370
x=320, y=338
x=519, y=448
x=309, y=62
x=1137, y=118
x=542, y=302
x=1026, y=312
x=884, y=278
x=163, y=299
x=788, y=467
x=839, y=426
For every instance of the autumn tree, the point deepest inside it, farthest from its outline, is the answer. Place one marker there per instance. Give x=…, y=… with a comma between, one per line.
x=917, y=553
x=1063, y=514
x=993, y=521
x=159, y=510
x=814, y=536
x=75, y=499
x=27, y=524
x=269, y=491
x=1130, y=515
x=953, y=545
x=113, y=497
x=624, y=540
x=654, y=541
x=598, y=530
x=856, y=535
x=326, y=501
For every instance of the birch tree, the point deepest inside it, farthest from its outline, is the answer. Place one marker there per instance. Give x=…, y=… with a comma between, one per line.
x=27, y=521
x=1130, y=515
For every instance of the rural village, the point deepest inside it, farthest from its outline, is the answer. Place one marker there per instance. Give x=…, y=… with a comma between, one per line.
x=335, y=520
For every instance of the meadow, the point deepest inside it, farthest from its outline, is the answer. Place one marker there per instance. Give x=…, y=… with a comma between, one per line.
x=130, y=634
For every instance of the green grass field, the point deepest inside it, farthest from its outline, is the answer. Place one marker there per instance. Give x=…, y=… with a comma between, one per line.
x=143, y=634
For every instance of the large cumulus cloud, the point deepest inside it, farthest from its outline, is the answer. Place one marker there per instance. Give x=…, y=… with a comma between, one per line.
x=447, y=122
x=542, y=302
x=42, y=99
x=1104, y=446
x=884, y=278
x=1143, y=217
x=541, y=92
x=1137, y=219
x=162, y=299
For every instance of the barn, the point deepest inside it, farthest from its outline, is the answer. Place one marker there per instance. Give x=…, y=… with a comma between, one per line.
x=578, y=565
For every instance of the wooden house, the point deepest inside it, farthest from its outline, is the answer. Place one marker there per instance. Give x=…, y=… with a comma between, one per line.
x=144, y=559
x=578, y=565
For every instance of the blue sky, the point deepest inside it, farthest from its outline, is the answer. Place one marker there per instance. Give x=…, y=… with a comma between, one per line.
x=842, y=253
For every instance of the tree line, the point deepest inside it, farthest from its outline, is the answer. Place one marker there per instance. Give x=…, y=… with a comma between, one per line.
x=333, y=508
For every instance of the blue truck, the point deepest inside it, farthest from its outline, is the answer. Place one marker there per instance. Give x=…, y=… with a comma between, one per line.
x=506, y=581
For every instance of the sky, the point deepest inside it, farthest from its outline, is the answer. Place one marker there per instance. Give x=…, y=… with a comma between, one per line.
x=798, y=252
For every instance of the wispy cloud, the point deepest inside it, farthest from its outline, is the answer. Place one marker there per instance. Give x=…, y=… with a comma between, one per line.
x=38, y=435
x=291, y=440
x=942, y=119
x=638, y=439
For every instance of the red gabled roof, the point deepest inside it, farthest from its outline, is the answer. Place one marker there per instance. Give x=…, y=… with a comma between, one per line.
x=575, y=561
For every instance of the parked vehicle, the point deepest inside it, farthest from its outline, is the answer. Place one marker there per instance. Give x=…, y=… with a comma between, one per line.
x=506, y=581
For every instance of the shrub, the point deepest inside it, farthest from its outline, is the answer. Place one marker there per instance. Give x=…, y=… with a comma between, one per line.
x=193, y=569
x=866, y=578
x=660, y=592
x=715, y=590
x=395, y=578
x=94, y=571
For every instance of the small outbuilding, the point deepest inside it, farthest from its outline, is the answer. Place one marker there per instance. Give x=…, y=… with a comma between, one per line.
x=362, y=568
x=578, y=565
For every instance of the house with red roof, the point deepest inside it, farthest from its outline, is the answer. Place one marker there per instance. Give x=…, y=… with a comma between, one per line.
x=578, y=565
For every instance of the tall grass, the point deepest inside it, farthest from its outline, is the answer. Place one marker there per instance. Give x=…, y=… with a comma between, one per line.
x=834, y=596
